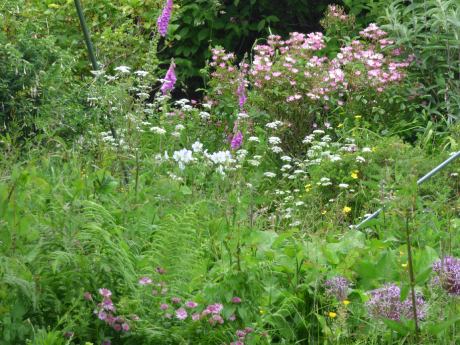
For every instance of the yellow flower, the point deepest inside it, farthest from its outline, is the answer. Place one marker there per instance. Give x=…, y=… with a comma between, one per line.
x=357, y=117
x=404, y=265
x=323, y=212
x=261, y=311
x=354, y=174
x=346, y=210
x=373, y=149
x=340, y=125
x=332, y=314
x=308, y=187
x=346, y=302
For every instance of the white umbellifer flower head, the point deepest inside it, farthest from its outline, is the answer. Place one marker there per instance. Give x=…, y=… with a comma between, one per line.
x=276, y=149
x=175, y=134
x=254, y=162
x=158, y=130
x=179, y=127
x=274, y=140
x=366, y=149
x=183, y=157
x=326, y=139
x=299, y=203
x=123, y=69
x=220, y=157
x=181, y=102
x=296, y=223
x=308, y=139
x=360, y=159
x=197, y=146
x=286, y=167
x=286, y=158
x=207, y=105
x=187, y=107
x=141, y=73
x=254, y=139
x=318, y=131
x=269, y=174
x=205, y=115
x=343, y=185
x=335, y=158
x=274, y=124
x=242, y=116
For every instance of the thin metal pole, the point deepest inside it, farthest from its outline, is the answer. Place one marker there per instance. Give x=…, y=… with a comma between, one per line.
x=419, y=182
x=84, y=27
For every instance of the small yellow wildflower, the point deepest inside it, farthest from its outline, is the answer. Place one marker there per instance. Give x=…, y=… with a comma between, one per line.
x=340, y=125
x=332, y=314
x=261, y=311
x=404, y=265
x=323, y=212
x=308, y=187
x=373, y=149
x=354, y=174
x=357, y=117
x=346, y=210
x=346, y=302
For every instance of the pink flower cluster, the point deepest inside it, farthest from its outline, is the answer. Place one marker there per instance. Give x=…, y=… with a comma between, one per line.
x=241, y=334
x=106, y=310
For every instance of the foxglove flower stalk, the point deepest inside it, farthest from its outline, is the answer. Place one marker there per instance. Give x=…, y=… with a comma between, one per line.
x=169, y=80
x=241, y=92
x=237, y=141
x=448, y=274
x=164, y=18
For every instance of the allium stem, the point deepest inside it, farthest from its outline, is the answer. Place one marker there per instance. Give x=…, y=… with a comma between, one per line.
x=411, y=275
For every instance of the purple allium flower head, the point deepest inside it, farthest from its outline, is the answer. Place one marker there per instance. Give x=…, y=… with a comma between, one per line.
x=164, y=18
x=107, y=304
x=448, y=274
x=196, y=316
x=181, y=314
x=236, y=300
x=164, y=306
x=385, y=302
x=248, y=330
x=237, y=141
x=145, y=281
x=232, y=317
x=337, y=287
x=169, y=80
x=105, y=292
x=191, y=304
x=241, y=92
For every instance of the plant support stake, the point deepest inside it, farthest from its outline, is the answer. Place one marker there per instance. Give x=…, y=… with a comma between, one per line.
x=419, y=182
x=88, y=42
